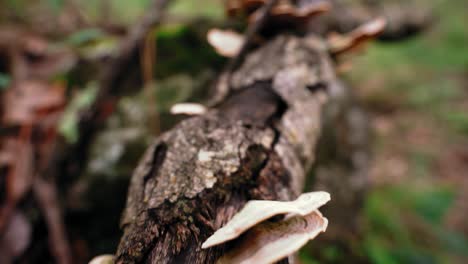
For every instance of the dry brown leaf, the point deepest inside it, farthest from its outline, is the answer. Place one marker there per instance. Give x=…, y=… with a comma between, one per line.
x=34, y=56
x=23, y=101
x=255, y=212
x=272, y=241
x=226, y=42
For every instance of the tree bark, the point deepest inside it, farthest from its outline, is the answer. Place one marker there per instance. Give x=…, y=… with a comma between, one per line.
x=256, y=144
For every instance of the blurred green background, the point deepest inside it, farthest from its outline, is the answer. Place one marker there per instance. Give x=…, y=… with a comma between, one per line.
x=417, y=93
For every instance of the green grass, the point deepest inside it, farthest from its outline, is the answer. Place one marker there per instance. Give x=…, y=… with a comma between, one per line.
x=405, y=225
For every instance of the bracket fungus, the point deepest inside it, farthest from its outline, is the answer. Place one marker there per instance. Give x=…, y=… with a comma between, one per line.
x=272, y=241
x=227, y=43
x=265, y=241
x=339, y=44
x=103, y=259
x=284, y=10
x=287, y=12
x=188, y=109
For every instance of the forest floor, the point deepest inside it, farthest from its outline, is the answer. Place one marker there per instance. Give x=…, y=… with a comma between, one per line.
x=416, y=92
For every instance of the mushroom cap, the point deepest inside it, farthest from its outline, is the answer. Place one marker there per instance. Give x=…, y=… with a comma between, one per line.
x=285, y=11
x=188, y=109
x=227, y=43
x=103, y=259
x=342, y=43
x=257, y=211
x=272, y=241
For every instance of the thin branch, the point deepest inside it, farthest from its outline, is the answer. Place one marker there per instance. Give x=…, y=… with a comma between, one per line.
x=45, y=190
x=112, y=78
x=128, y=47
x=46, y=195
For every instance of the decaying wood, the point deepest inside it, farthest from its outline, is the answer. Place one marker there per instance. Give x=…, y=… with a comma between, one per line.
x=257, y=144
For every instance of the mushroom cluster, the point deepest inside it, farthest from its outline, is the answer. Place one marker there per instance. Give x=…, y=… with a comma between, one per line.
x=259, y=240
x=291, y=15
x=284, y=12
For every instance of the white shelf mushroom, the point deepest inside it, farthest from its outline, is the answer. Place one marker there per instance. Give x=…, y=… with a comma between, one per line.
x=103, y=259
x=257, y=211
x=188, y=109
x=270, y=242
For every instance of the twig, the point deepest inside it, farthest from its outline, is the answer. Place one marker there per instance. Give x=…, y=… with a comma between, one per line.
x=111, y=80
x=46, y=195
x=90, y=121
x=112, y=74
x=147, y=61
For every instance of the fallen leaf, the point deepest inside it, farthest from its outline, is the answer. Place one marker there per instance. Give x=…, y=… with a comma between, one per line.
x=23, y=101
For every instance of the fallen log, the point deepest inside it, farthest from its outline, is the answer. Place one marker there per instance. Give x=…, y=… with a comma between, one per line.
x=258, y=143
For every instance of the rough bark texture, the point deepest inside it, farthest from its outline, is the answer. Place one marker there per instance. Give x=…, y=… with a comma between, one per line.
x=257, y=144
